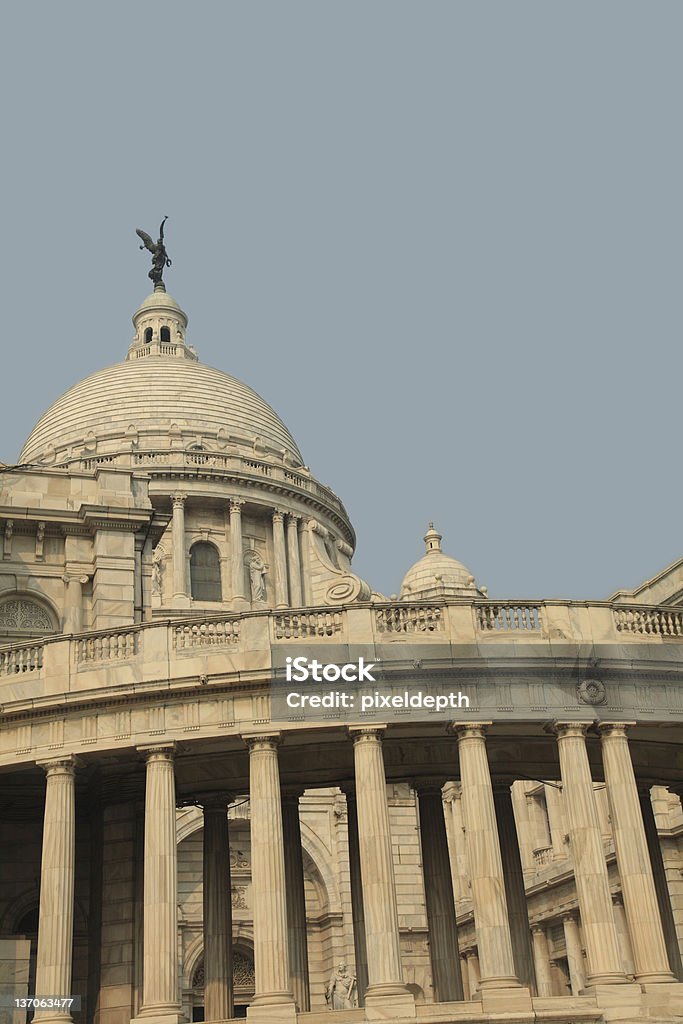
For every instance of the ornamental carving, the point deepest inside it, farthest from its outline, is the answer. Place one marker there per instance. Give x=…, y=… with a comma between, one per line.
x=243, y=976
x=591, y=691
x=238, y=896
x=22, y=615
x=238, y=859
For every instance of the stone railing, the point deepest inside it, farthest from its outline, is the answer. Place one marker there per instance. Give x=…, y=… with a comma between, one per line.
x=417, y=618
x=214, y=633
x=21, y=659
x=508, y=617
x=649, y=621
x=543, y=855
x=307, y=625
x=106, y=647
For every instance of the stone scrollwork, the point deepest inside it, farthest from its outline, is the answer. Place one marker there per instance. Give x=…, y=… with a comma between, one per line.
x=591, y=691
x=346, y=589
x=25, y=616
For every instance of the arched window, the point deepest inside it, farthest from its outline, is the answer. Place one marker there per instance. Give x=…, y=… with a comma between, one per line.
x=205, y=572
x=148, y=335
x=165, y=334
x=22, y=618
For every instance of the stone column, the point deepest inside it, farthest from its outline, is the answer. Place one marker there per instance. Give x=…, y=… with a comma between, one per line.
x=572, y=941
x=544, y=978
x=268, y=886
x=296, y=901
x=473, y=974
x=160, y=996
x=73, y=603
x=56, y=916
x=295, y=595
x=633, y=860
x=590, y=870
x=515, y=893
x=661, y=885
x=179, y=558
x=386, y=987
x=491, y=921
x=239, y=601
x=622, y=931
x=443, y=933
x=359, y=941
x=280, y=559
x=218, y=994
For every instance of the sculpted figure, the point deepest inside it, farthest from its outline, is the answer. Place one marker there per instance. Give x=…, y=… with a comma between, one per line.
x=157, y=561
x=340, y=992
x=257, y=571
x=160, y=258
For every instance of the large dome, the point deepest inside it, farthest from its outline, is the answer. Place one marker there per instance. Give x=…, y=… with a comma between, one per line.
x=161, y=397
x=150, y=398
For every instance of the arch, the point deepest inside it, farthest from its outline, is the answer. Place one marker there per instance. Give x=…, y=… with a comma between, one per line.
x=149, y=334
x=26, y=616
x=205, y=572
x=165, y=334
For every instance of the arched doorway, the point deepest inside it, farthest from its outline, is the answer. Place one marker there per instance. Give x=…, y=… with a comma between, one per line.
x=242, y=980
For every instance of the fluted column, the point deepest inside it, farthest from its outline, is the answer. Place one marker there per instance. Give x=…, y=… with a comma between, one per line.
x=515, y=893
x=296, y=901
x=271, y=952
x=280, y=559
x=590, y=870
x=239, y=600
x=661, y=885
x=572, y=941
x=73, y=602
x=359, y=942
x=544, y=978
x=443, y=933
x=377, y=869
x=218, y=995
x=295, y=595
x=622, y=931
x=179, y=558
x=650, y=957
x=473, y=974
x=56, y=915
x=160, y=930
x=491, y=922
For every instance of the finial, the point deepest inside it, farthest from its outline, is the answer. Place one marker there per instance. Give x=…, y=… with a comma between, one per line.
x=432, y=539
x=160, y=258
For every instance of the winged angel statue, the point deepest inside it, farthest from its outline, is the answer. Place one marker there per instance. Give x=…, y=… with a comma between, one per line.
x=160, y=258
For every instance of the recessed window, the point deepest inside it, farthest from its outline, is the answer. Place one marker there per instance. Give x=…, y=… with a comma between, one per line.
x=205, y=572
x=148, y=335
x=165, y=334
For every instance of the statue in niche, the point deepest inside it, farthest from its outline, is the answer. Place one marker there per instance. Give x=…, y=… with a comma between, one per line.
x=157, y=565
x=341, y=990
x=160, y=258
x=257, y=569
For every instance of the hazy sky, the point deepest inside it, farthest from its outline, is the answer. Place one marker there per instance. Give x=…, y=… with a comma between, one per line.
x=443, y=239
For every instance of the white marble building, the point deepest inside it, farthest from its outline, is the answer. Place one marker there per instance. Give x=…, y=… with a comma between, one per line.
x=175, y=846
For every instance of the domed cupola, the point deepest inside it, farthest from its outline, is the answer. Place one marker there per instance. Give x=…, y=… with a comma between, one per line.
x=160, y=326
x=437, y=575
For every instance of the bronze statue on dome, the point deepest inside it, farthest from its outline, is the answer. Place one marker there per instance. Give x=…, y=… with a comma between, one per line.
x=160, y=258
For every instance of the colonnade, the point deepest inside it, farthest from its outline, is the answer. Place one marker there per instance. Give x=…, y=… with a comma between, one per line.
x=509, y=955
x=285, y=573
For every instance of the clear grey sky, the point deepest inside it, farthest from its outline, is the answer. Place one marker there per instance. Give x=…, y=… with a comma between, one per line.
x=442, y=239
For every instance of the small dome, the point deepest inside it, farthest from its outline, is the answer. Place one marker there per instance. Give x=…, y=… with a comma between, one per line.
x=437, y=574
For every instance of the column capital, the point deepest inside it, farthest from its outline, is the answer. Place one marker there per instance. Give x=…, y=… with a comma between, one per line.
x=451, y=791
x=235, y=505
x=538, y=928
x=468, y=953
x=366, y=733
x=291, y=791
x=293, y=518
x=278, y=515
x=60, y=765
x=214, y=803
x=157, y=752
x=178, y=499
x=469, y=730
x=563, y=730
x=262, y=741
x=570, y=915
x=608, y=730
x=427, y=786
